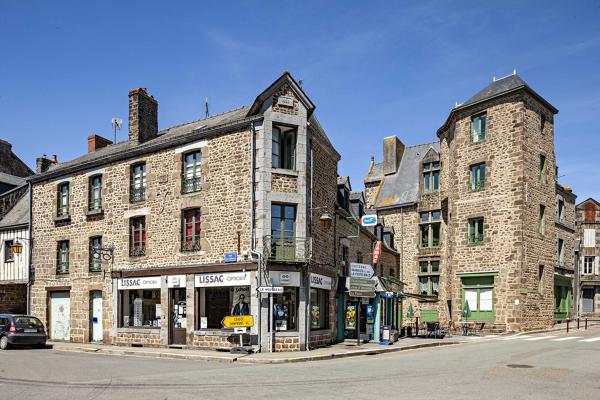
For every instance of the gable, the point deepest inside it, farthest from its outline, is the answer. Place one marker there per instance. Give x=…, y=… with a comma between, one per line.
x=284, y=95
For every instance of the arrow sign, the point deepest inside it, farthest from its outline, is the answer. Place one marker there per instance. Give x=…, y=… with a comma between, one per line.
x=270, y=289
x=368, y=220
x=241, y=321
x=358, y=270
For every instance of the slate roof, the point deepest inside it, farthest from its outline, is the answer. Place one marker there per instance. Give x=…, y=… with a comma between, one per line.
x=402, y=188
x=18, y=215
x=496, y=88
x=11, y=179
x=356, y=196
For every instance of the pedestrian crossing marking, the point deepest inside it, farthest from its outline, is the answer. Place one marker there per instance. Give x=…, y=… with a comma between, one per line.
x=566, y=338
x=595, y=339
x=539, y=338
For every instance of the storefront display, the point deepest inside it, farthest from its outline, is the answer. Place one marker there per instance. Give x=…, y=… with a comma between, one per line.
x=286, y=309
x=319, y=301
x=350, y=320
x=220, y=295
x=139, y=302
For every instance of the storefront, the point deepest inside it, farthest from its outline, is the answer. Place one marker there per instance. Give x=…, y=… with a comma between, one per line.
x=320, y=310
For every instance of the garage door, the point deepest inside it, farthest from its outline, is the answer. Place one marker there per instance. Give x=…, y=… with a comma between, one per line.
x=60, y=315
x=587, y=303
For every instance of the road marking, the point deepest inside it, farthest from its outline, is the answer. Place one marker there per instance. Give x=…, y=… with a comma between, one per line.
x=567, y=338
x=540, y=338
x=512, y=337
x=595, y=339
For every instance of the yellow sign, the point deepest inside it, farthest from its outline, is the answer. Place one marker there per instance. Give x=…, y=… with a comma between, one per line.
x=241, y=321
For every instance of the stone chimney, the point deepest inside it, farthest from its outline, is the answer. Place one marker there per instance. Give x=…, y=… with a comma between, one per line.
x=5, y=151
x=393, y=149
x=96, y=142
x=42, y=164
x=143, y=116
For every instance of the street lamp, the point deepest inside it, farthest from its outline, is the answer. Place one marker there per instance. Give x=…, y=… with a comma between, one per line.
x=17, y=247
x=325, y=220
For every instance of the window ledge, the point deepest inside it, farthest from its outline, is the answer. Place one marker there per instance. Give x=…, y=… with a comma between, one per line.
x=150, y=331
x=191, y=253
x=62, y=218
x=282, y=171
x=94, y=213
x=214, y=332
x=287, y=333
x=190, y=194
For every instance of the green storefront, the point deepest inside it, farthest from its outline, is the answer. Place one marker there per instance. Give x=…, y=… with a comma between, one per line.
x=478, y=292
x=563, y=297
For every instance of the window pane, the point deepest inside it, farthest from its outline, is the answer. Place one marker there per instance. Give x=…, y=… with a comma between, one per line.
x=424, y=217
x=471, y=298
x=485, y=300
x=435, y=266
x=435, y=235
x=425, y=235
x=426, y=166
x=426, y=182
x=424, y=285
x=435, y=215
x=435, y=165
x=424, y=267
x=436, y=181
x=435, y=285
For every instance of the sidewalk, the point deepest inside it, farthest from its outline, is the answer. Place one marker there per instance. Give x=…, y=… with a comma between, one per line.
x=339, y=350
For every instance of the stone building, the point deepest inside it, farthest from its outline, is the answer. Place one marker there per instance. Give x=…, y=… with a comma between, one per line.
x=14, y=230
x=474, y=212
x=587, y=288
x=566, y=254
x=152, y=241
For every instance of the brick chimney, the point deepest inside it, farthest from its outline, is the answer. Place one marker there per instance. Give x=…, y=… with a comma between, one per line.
x=96, y=142
x=143, y=116
x=393, y=149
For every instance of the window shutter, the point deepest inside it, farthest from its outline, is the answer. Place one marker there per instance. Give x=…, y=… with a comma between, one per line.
x=589, y=238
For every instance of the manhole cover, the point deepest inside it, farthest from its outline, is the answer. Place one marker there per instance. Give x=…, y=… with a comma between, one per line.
x=519, y=366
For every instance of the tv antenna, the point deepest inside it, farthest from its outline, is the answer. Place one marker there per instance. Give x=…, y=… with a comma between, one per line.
x=206, y=114
x=117, y=124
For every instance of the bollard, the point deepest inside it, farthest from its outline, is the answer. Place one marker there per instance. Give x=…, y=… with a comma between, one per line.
x=577, y=323
x=568, y=325
x=586, y=323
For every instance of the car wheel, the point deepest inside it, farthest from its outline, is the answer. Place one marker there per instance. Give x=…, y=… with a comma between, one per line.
x=3, y=343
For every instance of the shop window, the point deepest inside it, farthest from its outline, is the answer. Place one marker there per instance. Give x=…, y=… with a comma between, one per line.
x=95, y=256
x=429, y=277
x=140, y=308
x=62, y=257
x=191, y=230
x=478, y=128
x=9, y=256
x=477, y=177
x=478, y=292
x=138, y=183
x=215, y=303
x=431, y=177
x=429, y=226
x=95, y=193
x=475, y=231
x=319, y=308
x=190, y=180
x=63, y=200
x=284, y=148
x=285, y=309
x=137, y=242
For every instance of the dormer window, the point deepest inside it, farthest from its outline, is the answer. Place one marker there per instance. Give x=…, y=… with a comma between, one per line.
x=431, y=177
x=283, y=153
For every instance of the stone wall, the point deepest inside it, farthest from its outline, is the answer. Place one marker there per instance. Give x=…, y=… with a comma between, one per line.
x=140, y=337
x=13, y=298
x=284, y=183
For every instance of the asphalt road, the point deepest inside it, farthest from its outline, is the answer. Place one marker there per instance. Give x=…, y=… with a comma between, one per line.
x=545, y=366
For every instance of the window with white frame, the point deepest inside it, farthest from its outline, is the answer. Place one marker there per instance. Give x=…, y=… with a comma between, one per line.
x=589, y=238
x=588, y=265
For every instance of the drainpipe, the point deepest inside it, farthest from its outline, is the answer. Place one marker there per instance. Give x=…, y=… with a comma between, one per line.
x=30, y=266
x=252, y=233
x=307, y=308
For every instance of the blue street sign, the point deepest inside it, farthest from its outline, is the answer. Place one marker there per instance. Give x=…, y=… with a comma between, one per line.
x=368, y=220
x=230, y=257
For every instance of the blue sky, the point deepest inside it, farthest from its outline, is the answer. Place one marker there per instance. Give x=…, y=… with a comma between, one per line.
x=372, y=68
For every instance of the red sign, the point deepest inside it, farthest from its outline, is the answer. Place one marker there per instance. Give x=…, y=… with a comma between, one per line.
x=376, y=252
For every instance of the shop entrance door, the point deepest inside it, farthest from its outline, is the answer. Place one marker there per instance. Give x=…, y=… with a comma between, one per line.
x=588, y=301
x=177, y=319
x=60, y=315
x=351, y=319
x=96, y=320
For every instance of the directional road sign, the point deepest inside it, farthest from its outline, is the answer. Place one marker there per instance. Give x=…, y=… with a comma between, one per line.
x=238, y=321
x=358, y=270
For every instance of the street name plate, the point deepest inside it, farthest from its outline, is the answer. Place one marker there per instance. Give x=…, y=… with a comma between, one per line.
x=270, y=289
x=356, y=293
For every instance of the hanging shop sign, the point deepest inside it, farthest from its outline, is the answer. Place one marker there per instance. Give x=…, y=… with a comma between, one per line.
x=146, y=282
x=321, y=281
x=376, y=252
x=368, y=220
x=358, y=270
x=176, y=281
x=222, y=279
x=285, y=278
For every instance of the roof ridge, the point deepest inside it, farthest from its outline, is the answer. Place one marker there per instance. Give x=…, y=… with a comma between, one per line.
x=203, y=119
x=422, y=144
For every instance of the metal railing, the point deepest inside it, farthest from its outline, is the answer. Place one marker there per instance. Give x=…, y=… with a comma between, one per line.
x=190, y=245
x=63, y=210
x=137, y=251
x=190, y=185
x=475, y=186
x=95, y=205
x=137, y=194
x=286, y=250
x=62, y=267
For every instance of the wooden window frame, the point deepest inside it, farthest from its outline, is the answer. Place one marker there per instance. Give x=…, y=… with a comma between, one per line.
x=431, y=171
x=429, y=225
x=473, y=224
x=477, y=176
x=191, y=184
x=477, y=134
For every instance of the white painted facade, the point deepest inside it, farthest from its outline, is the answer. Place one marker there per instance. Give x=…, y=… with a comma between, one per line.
x=17, y=270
